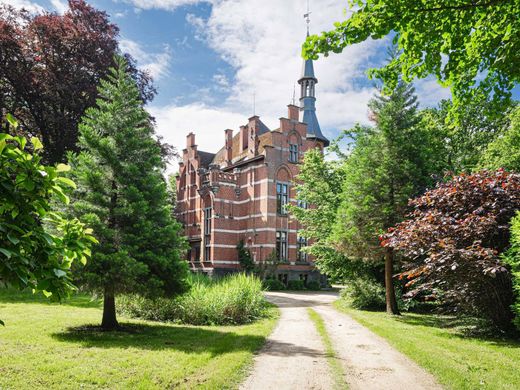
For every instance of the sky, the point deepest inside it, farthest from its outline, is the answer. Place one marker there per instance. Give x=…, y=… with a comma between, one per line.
x=216, y=63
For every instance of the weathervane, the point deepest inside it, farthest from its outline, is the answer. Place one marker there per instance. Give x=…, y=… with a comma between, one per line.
x=307, y=17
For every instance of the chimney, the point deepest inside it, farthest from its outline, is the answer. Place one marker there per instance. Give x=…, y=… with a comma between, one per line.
x=229, y=145
x=190, y=140
x=294, y=112
x=243, y=137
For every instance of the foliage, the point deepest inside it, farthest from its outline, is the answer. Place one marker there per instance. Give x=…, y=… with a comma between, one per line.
x=504, y=151
x=244, y=257
x=122, y=195
x=272, y=284
x=512, y=258
x=460, y=144
x=319, y=185
x=388, y=164
x=364, y=293
x=453, y=239
x=473, y=47
x=313, y=285
x=442, y=346
x=267, y=268
x=148, y=355
x=234, y=299
x=50, y=65
x=296, y=285
x=37, y=245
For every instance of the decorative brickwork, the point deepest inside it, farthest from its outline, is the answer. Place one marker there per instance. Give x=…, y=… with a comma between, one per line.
x=240, y=192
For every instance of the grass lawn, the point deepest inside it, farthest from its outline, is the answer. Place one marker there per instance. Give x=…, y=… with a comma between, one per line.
x=436, y=343
x=51, y=346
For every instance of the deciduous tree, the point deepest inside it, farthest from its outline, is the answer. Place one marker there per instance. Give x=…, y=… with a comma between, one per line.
x=471, y=46
x=37, y=244
x=50, y=66
x=453, y=239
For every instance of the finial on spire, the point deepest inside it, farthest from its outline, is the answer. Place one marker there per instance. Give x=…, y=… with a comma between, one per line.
x=307, y=17
x=294, y=95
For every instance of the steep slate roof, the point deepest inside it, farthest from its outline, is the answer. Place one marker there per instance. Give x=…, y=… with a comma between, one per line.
x=205, y=158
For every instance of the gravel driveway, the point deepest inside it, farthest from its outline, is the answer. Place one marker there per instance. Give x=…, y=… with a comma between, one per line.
x=294, y=358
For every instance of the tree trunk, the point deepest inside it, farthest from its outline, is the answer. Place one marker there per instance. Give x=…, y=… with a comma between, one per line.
x=109, y=321
x=391, y=302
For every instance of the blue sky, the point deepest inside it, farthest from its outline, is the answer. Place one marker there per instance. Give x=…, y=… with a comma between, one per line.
x=209, y=58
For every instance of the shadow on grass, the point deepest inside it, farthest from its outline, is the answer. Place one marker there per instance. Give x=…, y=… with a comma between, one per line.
x=462, y=327
x=26, y=296
x=161, y=337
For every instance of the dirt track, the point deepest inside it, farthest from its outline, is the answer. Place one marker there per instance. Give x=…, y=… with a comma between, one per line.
x=293, y=357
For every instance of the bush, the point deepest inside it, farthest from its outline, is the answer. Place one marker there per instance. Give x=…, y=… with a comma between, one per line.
x=234, y=299
x=512, y=258
x=273, y=285
x=313, y=285
x=295, y=285
x=365, y=294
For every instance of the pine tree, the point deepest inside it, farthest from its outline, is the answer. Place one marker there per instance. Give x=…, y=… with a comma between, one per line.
x=122, y=195
x=388, y=165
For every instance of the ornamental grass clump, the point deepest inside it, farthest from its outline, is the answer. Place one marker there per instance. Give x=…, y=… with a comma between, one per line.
x=231, y=300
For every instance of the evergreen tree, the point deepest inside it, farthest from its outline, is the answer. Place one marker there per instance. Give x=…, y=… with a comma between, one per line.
x=122, y=195
x=387, y=166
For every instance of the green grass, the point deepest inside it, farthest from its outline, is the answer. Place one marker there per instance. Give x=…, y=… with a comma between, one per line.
x=334, y=363
x=48, y=346
x=437, y=343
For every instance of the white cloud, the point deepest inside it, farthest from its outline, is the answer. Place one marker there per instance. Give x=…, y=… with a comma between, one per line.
x=168, y=5
x=262, y=40
x=26, y=4
x=61, y=6
x=208, y=124
x=156, y=64
x=430, y=92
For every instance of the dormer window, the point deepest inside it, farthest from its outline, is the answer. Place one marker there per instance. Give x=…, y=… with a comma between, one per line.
x=293, y=153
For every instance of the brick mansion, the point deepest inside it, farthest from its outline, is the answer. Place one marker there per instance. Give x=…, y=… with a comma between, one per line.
x=240, y=192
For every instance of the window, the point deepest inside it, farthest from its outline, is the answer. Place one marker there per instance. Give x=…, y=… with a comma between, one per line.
x=281, y=245
x=282, y=191
x=301, y=243
x=207, y=233
x=293, y=153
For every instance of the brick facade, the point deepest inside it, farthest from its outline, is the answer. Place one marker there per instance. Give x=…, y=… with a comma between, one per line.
x=238, y=194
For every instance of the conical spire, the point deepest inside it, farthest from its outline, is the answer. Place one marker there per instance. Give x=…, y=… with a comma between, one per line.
x=307, y=102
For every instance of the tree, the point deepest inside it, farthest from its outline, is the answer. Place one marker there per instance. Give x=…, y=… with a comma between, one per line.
x=37, y=245
x=50, y=66
x=387, y=166
x=318, y=186
x=462, y=143
x=471, y=46
x=122, y=195
x=453, y=239
x=512, y=258
x=504, y=151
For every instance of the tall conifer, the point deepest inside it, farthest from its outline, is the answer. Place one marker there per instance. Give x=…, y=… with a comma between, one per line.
x=122, y=194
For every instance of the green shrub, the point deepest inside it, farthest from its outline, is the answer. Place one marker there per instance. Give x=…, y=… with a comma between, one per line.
x=313, y=285
x=273, y=285
x=512, y=257
x=234, y=299
x=295, y=285
x=365, y=294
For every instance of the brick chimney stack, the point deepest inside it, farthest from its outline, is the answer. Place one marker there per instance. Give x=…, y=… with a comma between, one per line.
x=294, y=112
x=243, y=137
x=229, y=146
x=190, y=140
